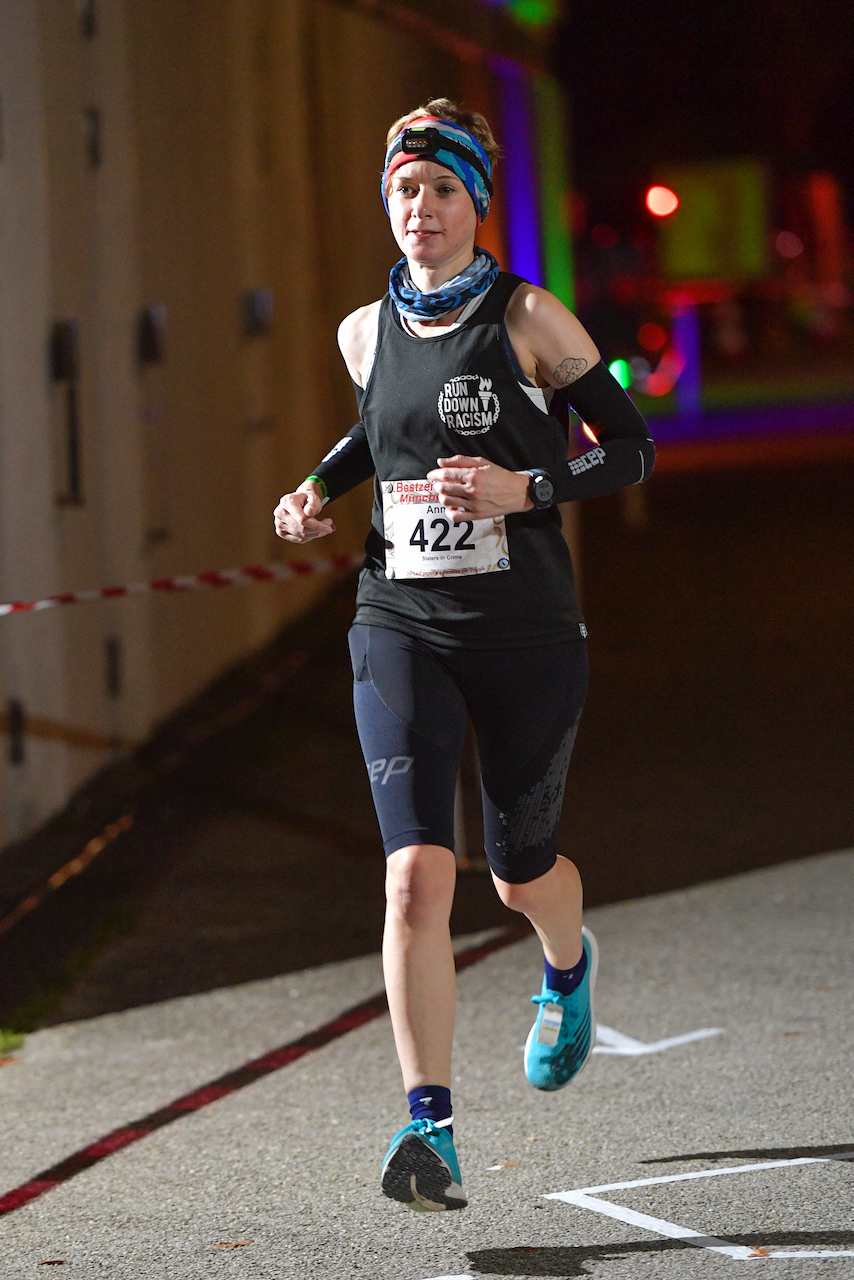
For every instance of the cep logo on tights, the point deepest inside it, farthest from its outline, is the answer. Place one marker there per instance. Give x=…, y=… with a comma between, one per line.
x=386, y=769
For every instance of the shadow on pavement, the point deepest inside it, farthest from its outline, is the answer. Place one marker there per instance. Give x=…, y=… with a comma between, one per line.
x=845, y=1149
x=569, y=1262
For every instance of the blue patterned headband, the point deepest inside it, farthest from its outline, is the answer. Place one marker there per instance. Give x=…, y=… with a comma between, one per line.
x=450, y=145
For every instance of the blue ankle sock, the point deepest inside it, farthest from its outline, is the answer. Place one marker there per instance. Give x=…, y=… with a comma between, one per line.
x=431, y=1102
x=565, y=980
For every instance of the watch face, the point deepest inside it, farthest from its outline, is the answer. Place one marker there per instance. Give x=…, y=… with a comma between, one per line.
x=544, y=489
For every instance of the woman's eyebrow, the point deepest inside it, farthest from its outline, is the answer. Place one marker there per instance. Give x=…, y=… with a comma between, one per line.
x=418, y=182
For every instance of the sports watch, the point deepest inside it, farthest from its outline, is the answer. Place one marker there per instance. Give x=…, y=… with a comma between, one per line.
x=541, y=489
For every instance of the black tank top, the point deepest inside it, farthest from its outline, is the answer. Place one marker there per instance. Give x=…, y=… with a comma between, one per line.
x=415, y=411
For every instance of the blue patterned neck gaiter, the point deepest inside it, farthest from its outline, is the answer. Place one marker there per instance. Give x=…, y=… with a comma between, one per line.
x=414, y=305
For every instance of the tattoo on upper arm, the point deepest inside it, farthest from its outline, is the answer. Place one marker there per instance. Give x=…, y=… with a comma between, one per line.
x=569, y=370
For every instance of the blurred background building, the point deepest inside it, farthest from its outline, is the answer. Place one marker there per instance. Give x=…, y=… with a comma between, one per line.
x=743, y=112
x=188, y=208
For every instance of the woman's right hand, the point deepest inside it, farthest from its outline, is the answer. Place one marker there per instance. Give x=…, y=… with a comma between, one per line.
x=296, y=515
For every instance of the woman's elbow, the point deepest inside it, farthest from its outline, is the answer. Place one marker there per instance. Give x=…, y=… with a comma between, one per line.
x=647, y=459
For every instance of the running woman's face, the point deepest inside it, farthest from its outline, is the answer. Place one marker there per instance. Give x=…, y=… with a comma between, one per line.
x=432, y=215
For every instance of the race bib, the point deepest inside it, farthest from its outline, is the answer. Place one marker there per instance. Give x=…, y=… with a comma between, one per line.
x=421, y=540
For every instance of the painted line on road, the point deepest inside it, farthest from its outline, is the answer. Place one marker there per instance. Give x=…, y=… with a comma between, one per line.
x=350, y=1020
x=610, y=1041
x=588, y=1198
x=616, y=1042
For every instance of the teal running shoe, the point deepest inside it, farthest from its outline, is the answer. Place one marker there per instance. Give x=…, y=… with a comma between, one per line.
x=561, y=1040
x=421, y=1169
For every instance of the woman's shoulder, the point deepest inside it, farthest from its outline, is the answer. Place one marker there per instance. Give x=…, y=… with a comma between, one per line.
x=529, y=300
x=356, y=329
x=539, y=323
x=530, y=309
x=357, y=338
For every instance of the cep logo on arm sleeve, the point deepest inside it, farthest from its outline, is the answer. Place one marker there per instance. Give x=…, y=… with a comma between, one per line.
x=336, y=448
x=593, y=458
x=381, y=770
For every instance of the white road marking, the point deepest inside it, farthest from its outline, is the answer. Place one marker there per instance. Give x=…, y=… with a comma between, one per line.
x=610, y=1041
x=658, y=1226
x=465, y=1277
x=588, y=1198
x=702, y=1173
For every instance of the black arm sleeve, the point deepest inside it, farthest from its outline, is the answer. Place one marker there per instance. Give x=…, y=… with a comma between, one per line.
x=347, y=464
x=625, y=453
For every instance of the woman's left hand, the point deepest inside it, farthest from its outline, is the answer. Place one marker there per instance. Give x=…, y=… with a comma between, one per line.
x=472, y=488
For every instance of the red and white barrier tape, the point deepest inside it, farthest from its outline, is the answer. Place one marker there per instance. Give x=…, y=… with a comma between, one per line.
x=279, y=571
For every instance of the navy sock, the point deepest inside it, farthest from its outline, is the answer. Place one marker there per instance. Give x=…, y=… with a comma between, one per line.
x=565, y=980
x=431, y=1102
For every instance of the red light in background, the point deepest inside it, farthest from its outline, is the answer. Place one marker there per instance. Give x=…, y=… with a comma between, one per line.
x=603, y=236
x=651, y=336
x=662, y=201
x=663, y=379
x=658, y=384
x=788, y=245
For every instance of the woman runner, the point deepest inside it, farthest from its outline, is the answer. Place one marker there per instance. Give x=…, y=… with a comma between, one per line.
x=467, y=606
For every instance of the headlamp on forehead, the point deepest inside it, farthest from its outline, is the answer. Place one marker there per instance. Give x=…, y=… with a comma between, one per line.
x=425, y=141
x=419, y=142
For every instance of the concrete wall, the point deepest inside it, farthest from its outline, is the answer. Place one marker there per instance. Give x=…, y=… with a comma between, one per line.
x=175, y=154
x=29, y=522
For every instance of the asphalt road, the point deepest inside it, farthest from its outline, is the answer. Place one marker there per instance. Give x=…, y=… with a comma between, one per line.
x=289, y=1164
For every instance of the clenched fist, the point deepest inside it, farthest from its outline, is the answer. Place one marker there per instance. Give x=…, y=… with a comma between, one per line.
x=472, y=488
x=296, y=515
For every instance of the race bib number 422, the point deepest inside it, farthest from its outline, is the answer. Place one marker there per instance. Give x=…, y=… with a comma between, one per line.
x=422, y=541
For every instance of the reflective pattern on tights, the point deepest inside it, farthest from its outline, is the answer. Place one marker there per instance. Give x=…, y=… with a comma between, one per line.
x=412, y=699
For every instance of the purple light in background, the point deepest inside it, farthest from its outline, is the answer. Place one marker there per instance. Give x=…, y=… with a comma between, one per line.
x=686, y=341
x=828, y=417
x=519, y=186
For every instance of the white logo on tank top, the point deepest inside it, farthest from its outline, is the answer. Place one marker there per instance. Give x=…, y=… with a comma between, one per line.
x=468, y=405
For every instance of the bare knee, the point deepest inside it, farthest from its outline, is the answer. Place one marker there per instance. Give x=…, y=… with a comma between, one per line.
x=518, y=897
x=420, y=884
x=529, y=896
x=534, y=896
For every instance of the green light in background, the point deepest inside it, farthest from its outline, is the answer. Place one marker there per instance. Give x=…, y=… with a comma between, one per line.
x=621, y=371
x=554, y=189
x=720, y=229
x=533, y=13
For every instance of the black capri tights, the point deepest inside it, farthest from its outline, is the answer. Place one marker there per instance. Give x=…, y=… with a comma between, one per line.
x=411, y=701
